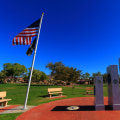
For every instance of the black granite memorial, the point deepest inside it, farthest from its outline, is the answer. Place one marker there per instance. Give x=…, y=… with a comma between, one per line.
x=113, y=87
x=99, y=97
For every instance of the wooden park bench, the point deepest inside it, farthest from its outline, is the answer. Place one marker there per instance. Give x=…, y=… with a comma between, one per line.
x=54, y=91
x=2, y=100
x=89, y=90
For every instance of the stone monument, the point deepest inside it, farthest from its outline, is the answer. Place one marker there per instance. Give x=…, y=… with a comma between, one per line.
x=113, y=87
x=99, y=97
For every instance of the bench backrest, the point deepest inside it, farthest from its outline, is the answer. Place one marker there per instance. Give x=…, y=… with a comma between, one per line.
x=2, y=94
x=54, y=89
x=89, y=88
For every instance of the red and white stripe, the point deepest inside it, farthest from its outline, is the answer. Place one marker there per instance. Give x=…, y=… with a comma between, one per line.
x=22, y=40
x=25, y=37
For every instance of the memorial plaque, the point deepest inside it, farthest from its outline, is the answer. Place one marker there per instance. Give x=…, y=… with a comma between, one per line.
x=113, y=87
x=99, y=97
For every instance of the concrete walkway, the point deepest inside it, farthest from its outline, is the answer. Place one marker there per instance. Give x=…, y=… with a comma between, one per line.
x=14, y=109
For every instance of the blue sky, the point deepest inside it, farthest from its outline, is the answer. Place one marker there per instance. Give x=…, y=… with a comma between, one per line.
x=81, y=33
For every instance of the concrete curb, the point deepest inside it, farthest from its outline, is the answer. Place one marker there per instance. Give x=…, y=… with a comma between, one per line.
x=18, y=109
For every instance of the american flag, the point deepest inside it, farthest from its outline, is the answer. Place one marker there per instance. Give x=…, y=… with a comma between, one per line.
x=25, y=36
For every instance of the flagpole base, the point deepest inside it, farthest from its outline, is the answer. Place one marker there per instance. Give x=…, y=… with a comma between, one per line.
x=25, y=108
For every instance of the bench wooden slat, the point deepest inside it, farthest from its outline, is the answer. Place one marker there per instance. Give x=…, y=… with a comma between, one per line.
x=2, y=94
x=54, y=91
x=89, y=89
x=5, y=100
x=2, y=100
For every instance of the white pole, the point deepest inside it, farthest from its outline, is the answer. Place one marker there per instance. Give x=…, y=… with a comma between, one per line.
x=33, y=63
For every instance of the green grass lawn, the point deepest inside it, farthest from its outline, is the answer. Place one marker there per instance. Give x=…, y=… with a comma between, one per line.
x=9, y=116
x=38, y=95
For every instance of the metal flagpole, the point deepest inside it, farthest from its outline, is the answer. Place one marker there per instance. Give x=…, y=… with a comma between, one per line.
x=33, y=62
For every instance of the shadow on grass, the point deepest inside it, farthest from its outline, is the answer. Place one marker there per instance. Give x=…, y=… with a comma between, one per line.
x=43, y=96
x=53, y=96
x=80, y=93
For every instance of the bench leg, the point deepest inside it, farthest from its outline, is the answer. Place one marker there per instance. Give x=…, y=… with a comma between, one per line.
x=1, y=104
x=50, y=95
x=60, y=94
x=5, y=103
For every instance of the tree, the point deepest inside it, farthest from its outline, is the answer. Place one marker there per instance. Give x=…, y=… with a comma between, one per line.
x=2, y=76
x=26, y=77
x=43, y=77
x=8, y=68
x=104, y=78
x=74, y=74
x=96, y=74
x=61, y=72
x=18, y=69
x=14, y=70
x=37, y=76
x=85, y=76
x=55, y=67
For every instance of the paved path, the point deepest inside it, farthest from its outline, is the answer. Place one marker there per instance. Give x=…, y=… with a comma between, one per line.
x=9, y=107
x=14, y=109
x=56, y=110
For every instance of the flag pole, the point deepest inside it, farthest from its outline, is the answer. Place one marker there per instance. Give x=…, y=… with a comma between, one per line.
x=33, y=63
